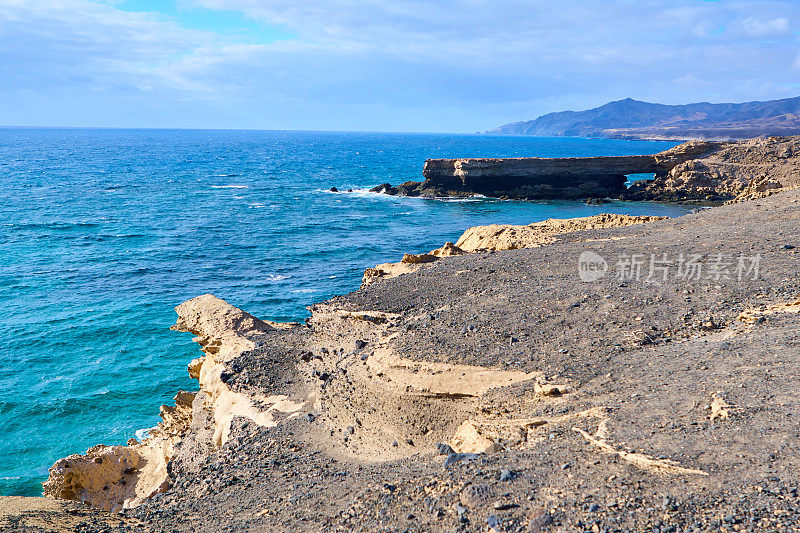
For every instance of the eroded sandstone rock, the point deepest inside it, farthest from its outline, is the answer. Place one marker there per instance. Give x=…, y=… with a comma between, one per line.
x=467, y=439
x=115, y=477
x=496, y=237
x=508, y=237
x=409, y=263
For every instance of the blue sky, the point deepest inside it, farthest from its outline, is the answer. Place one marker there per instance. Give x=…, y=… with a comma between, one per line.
x=386, y=65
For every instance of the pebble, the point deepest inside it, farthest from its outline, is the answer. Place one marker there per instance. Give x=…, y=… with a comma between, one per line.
x=506, y=475
x=444, y=449
x=351, y=429
x=455, y=457
x=538, y=521
x=476, y=495
x=500, y=505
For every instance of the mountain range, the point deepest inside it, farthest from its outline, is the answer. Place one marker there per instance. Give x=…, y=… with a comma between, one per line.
x=633, y=119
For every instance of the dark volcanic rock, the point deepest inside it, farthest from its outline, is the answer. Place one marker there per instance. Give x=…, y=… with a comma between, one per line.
x=536, y=178
x=533, y=177
x=694, y=171
x=747, y=169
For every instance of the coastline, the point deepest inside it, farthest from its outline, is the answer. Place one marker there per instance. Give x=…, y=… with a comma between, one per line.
x=110, y=359
x=384, y=346
x=695, y=171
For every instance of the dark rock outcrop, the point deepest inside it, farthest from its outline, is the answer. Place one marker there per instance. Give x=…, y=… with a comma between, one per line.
x=704, y=171
x=733, y=171
x=535, y=178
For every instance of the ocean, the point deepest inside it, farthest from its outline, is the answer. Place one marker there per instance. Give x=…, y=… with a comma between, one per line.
x=104, y=232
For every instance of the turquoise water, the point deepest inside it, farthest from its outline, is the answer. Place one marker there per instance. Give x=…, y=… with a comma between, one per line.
x=105, y=231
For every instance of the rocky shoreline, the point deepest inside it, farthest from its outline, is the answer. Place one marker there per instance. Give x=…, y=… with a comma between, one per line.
x=695, y=171
x=488, y=387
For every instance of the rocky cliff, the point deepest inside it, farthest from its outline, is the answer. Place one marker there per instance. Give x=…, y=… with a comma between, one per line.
x=493, y=390
x=730, y=172
x=572, y=177
x=693, y=171
x=120, y=477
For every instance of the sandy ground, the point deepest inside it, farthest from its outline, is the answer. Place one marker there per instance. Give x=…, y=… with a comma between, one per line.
x=618, y=404
x=19, y=513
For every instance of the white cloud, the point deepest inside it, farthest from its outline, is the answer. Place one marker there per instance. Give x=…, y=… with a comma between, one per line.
x=754, y=27
x=83, y=43
x=389, y=64
x=703, y=29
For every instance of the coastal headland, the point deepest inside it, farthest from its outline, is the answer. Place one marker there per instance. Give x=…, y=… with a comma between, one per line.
x=704, y=171
x=632, y=119
x=574, y=375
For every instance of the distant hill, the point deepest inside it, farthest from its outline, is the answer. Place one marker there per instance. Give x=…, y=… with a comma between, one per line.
x=632, y=119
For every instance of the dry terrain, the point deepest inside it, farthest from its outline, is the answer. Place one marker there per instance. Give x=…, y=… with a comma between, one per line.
x=494, y=390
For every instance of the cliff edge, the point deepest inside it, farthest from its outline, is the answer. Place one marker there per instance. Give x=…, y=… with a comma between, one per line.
x=690, y=172
x=510, y=390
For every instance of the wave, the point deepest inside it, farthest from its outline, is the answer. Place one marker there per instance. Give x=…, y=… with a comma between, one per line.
x=52, y=225
x=277, y=277
x=230, y=186
x=476, y=198
x=143, y=433
x=225, y=175
x=366, y=193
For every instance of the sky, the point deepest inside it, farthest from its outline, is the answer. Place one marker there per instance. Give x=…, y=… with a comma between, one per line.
x=381, y=65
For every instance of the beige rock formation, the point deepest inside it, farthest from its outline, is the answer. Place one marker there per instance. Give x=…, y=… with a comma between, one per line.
x=496, y=237
x=720, y=410
x=736, y=170
x=396, y=397
x=409, y=263
x=754, y=315
x=224, y=332
x=467, y=439
x=116, y=477
x=507, y=237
